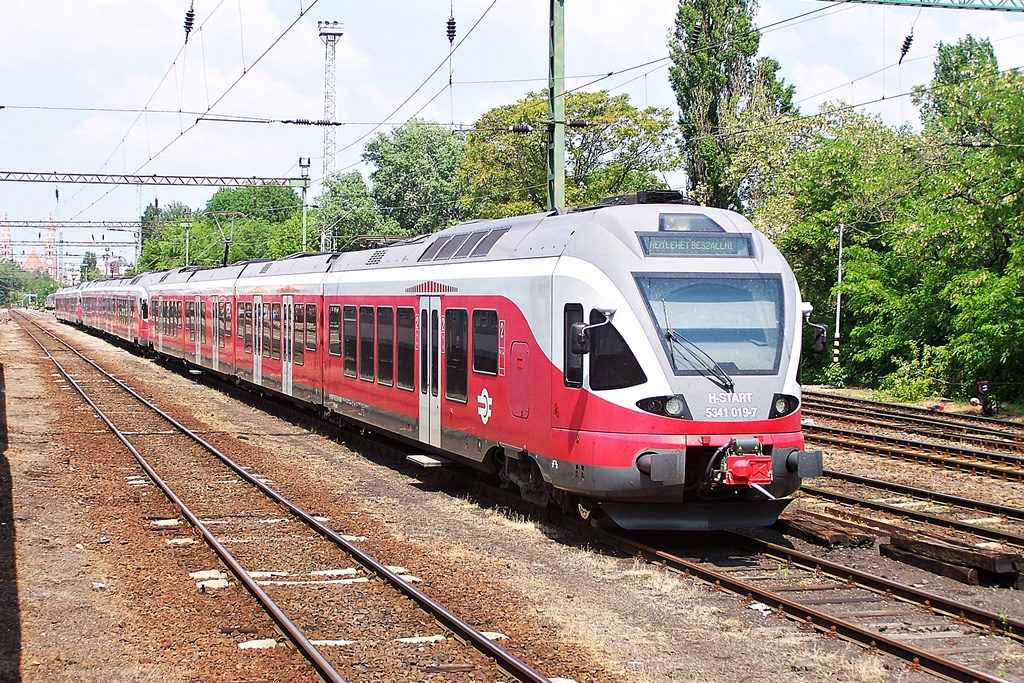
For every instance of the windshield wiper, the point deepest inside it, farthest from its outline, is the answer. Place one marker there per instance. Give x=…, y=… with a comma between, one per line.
x=708, y=366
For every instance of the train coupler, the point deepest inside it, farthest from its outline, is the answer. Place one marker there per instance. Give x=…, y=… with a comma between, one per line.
x=742, y=462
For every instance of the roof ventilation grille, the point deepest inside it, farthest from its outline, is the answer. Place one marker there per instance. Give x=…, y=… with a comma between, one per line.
x=376, y=257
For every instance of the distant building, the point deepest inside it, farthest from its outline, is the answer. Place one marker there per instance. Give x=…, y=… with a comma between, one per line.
x=33, y=263
x=6, y=246
x=50, y=251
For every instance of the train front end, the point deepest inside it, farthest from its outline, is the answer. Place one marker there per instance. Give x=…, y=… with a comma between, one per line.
x=687, y=338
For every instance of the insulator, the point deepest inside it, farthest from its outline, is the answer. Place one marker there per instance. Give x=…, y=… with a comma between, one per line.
x=521, y=128
x=190, y=20
x=451, y=29
x=694, y=37
x=574, y=123
x=906, y=47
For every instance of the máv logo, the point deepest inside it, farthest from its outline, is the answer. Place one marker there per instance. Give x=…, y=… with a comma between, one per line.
x=485, y=401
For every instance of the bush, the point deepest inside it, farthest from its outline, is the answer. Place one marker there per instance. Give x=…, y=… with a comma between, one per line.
x=918, y=378
x=836, y=376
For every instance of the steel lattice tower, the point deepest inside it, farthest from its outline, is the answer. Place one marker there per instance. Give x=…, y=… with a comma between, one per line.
x=330, y=31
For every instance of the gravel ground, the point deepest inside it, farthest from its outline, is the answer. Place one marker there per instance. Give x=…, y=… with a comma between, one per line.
x=102, y=597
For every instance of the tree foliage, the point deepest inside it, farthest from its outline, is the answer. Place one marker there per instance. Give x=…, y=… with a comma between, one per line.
x=269, y=204
x=720, y=88
x=415, y=180
x=621, y=149
x=267, y=224
x=347, y=211
x=19, y=286
x=933, y=270
x=89, y=270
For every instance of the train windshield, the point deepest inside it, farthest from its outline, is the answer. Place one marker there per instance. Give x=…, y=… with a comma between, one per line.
x=737, y=323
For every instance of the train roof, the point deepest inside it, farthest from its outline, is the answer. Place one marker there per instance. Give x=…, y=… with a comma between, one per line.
x=319, y=262
x=597, y=232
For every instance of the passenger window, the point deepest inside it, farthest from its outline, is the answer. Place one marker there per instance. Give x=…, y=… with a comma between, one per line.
x=311, y=327
x=485, y=342
x=456, y=368
x=248, y=327
x=190, y=319
x=385, y=345
x=612, y=363
x=275, y=332
x=350, y=341
x=366, y=343
x=223, y=324
x=202, y=323
x=424, y=350
x=334, y=331
x=435, y=351
x=266, y=330
x=240, y=322
x=406, y=352
x=299, y=343
x=573, y=366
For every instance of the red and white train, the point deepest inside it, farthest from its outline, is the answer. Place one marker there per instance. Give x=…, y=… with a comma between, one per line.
x=637, y=359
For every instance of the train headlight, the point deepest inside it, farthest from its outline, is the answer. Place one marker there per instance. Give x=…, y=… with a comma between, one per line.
x=782, y=405
x=675, y=407
x=668, y=406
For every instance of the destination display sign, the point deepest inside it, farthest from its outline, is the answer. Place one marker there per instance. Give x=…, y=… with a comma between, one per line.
x=696, y=244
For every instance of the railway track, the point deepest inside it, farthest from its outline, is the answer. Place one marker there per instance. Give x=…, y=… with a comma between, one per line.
x=998, y=523
x=950, y=639
x=292, y=563
x=944, y=637
x=951, y=424
x=1005, y=467
x=840, y=417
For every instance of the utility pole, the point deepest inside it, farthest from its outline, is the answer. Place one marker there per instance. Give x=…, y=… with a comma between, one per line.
x=556, y=107
x=304, y=170
x=187, y=224
x=839, y=296
x=330, y=31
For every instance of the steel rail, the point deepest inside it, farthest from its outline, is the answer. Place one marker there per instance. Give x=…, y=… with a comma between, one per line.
x=505, y=660
x=832, y=625
x=893, y=447
x=983, y=437
x=937, y=520
x=979, y=505
x=309, y=651
x=900, y=408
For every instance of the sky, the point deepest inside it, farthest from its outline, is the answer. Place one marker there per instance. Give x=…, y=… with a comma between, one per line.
x=109, y=86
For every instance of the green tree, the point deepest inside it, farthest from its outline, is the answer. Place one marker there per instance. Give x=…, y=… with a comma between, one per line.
x=975, y=221
x=621, y=149
x=347, y=211
x=89, y=269
x=155, y=217
x=268, y=203
x=716, y=78
x=968, y=62
x=19, y=286
x=267, y=224
x=415, y=179
x=850, y=170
